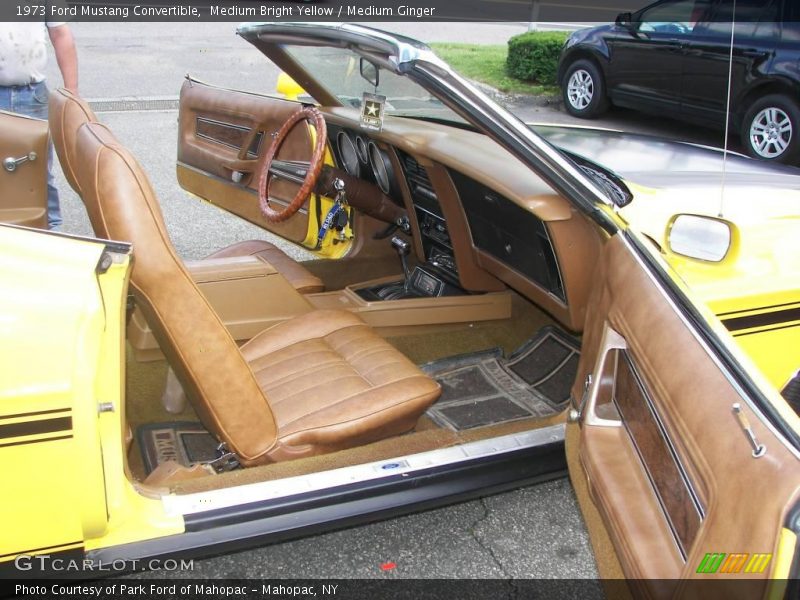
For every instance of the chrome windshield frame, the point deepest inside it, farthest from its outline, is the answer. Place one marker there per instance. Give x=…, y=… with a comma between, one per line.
x=417, y=61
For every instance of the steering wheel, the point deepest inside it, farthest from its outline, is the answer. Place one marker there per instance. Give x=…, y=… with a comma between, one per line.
x=313, y=116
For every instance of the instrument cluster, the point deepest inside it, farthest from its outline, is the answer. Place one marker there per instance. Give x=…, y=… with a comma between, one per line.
x=363, y=158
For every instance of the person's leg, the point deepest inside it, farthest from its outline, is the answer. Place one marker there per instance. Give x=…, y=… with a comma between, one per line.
x=54, y=219
x=32, y=101
x=5, y=98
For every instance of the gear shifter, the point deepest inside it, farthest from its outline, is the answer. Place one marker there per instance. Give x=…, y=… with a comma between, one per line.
x=403, y=249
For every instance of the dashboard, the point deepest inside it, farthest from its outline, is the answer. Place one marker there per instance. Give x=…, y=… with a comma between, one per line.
x=478, y=218
x=362, y=157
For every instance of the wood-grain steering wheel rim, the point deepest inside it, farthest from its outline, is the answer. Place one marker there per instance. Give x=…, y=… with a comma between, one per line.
x=313, y=116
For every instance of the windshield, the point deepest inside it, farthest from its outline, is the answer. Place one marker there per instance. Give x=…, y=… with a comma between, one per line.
x=337, y=69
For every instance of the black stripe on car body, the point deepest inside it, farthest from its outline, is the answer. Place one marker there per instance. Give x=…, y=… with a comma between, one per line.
x=37, y=441
x=732, y=313
x=34, y=414
x=42, y=426
x=765, y=319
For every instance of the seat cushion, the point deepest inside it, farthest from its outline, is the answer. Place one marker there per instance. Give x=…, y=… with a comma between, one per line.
x=296, y=274
x=333, y=383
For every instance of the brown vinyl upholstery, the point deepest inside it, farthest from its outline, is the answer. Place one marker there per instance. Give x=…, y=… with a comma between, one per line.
x=68, y=112
x=296, y=274
x=319, y=382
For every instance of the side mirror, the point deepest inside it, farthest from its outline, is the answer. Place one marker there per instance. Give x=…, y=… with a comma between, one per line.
x=700, y=237
x=624, y=19
x=369, y=71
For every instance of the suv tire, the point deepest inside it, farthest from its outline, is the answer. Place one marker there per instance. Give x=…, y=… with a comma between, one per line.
x=771, y=129
x=583, y=90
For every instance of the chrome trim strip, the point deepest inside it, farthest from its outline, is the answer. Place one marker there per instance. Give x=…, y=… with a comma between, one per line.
x=188, y=504
x=417, y=61
x=259, y=135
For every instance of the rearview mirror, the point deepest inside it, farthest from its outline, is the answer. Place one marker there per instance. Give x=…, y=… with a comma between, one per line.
x=700, y=237
x=369, y=71
x=624, y=19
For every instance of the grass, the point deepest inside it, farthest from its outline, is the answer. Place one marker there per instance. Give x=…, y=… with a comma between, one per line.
x=487, y=64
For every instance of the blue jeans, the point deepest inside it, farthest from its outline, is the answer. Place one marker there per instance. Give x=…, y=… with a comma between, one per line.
x=31, y=100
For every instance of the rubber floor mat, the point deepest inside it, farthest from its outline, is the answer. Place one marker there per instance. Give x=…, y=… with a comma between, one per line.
x=486, y=388
x=186, y=442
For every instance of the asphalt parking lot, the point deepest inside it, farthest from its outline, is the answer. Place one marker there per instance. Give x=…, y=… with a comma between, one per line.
x=535, y=532
x=532, y=532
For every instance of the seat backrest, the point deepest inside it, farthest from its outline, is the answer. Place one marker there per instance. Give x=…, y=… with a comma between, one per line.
x=206, y=359
x=67, y=112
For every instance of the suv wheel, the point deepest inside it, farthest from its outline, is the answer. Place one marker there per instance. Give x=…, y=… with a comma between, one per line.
x=584, y=90
x=771, y=129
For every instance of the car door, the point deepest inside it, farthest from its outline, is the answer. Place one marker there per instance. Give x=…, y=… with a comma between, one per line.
x=223, y=138
x=646, y=57
x=23, y=175
x=704, y=80
x=665, y=475
x=61, y=394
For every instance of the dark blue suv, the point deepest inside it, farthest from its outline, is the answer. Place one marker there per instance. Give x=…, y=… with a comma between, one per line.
x=672, y=59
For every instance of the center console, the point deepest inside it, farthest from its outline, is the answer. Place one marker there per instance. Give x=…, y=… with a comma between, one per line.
x=430, y=294
x=435, y=237
x=421, y=283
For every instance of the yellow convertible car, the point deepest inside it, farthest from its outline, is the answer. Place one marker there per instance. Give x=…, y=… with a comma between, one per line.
x=491, y=305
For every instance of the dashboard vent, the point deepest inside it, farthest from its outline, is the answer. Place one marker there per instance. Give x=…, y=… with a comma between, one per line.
x=417, y=177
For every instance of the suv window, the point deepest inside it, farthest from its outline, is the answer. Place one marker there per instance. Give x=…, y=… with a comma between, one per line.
x=791, y=24
x=677, y=17
x=753, y=18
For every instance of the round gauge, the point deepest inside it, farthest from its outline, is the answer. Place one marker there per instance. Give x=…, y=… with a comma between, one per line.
x=347, y=151
x=361, y=150
x=380, y=167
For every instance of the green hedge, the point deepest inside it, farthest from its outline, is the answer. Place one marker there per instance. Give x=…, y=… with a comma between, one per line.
x=533, y=56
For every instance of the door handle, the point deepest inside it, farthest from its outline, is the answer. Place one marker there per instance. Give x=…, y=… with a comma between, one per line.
x=10, y=164
x=750, y=53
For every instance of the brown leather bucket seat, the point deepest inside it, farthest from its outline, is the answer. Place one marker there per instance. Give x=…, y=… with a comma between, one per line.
x=317, y=383
x=68, y=112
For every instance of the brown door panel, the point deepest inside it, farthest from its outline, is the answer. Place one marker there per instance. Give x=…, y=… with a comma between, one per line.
x=667, y=464
x=23, y=191
x=222, y=132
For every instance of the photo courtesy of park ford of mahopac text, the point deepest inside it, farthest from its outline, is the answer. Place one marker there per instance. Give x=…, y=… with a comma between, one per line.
x=182, y=589
x=339, y=589
x=316, y=10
